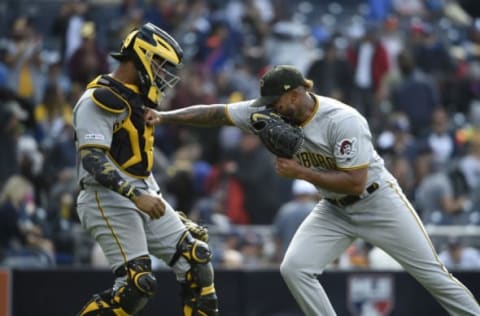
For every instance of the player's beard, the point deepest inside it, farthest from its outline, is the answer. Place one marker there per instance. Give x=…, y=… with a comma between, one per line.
x=292, y=115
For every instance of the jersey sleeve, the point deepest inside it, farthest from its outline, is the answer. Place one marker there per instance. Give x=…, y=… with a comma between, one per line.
x=93, y=125
x=352, y=143
x=239, y=114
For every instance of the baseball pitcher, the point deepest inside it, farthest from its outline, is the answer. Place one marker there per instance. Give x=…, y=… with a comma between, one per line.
x=329, y=144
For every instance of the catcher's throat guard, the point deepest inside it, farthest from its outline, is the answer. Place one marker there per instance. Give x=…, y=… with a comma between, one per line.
x=279, y=136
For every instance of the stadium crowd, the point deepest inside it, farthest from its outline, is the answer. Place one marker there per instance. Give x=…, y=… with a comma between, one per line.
x=412, y=67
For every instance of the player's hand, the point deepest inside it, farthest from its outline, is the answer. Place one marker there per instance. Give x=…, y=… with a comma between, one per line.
x=153, y=205
x=152, y=117
x=288, y=168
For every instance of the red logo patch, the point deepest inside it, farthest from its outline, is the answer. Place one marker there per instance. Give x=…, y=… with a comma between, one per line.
x=346, y=147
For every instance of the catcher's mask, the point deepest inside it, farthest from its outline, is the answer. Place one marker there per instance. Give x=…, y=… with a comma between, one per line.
x=156, y=55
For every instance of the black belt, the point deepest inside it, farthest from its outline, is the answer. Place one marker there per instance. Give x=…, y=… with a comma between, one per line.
x=350, y=199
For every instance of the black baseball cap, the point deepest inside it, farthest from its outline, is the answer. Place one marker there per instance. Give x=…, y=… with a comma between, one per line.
x=275, y=82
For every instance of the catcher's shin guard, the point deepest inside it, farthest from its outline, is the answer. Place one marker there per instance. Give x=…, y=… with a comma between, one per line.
x=101, y=304
x=198, y=291
x=128, y=299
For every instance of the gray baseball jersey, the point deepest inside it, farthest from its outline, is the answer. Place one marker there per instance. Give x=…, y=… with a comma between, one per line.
x=123, y=231
x=339, y=138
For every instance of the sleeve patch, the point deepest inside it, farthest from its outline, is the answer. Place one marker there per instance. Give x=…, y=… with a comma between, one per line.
x=346, y=148
x=108, y=100
x=94, y=136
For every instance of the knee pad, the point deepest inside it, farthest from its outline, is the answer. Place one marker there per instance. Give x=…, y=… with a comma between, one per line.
x=198, y=290
x=140, y=285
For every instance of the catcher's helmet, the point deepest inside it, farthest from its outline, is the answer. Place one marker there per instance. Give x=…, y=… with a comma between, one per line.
x=155, y=54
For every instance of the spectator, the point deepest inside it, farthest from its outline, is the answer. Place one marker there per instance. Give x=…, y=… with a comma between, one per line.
x=52, y=115
x=226, y=195
x=290, y=42
x=397, y=139
x=67, y=24
x=243, y=81
x=354, y=257
x=229, y=255
x=437, y=200
x=252, y=249
x=457, y=256
x=393, y=39
x=130, y=15
x=11, y=116
x=56, y=76
x=369, y=60
x=88, y=60
x=161, y=13
x=441, y=138
x=20, y=235
x=59, y=167
x=264, y=192
x=414, y=95
x=31, y=161
x=464, y=88
x=23, y=60
x=185, y=176
x=332, y=74
x=470, y=163
x=402, y=169
x=218, y=48
x=4, y=71
x=431, y=55
x=291, y=215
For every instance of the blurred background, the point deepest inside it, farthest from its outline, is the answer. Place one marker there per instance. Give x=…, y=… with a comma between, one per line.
x=419, y=87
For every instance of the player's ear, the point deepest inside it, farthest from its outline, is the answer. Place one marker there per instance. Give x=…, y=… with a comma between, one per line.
x=293, y=95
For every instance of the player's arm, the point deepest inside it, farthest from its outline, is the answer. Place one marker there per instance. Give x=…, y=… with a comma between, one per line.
x=196, y=115
x=350, y=139
x=95, y=161
x=351, y=181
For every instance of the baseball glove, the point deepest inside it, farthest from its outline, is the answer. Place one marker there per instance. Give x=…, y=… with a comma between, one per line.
x=197, y=231
x=280, y=137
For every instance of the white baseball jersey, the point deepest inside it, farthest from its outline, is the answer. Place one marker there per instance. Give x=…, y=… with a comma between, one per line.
x=337, y=137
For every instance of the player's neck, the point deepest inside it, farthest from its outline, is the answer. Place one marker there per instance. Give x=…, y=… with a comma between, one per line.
x=125, y=73
x=308, y=104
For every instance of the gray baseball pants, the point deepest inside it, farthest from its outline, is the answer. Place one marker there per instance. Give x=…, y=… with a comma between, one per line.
x=385, y=219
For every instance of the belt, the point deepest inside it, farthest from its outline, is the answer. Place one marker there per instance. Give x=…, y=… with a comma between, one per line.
x=350, y=199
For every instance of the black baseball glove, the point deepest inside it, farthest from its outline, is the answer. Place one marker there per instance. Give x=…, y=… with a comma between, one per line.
x=197, y=231
x=279, y=136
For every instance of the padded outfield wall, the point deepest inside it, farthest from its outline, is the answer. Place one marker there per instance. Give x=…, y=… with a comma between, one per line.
x=241, y=293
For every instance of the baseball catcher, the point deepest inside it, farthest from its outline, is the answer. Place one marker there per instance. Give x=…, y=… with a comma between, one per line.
x=279, y=136
x=119, y=203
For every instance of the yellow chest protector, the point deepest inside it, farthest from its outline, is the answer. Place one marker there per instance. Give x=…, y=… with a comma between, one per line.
x=132, y=142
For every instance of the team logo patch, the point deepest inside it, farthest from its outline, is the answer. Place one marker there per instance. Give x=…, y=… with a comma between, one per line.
x=94, y=136
x=370, y=295
x=346, y=147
